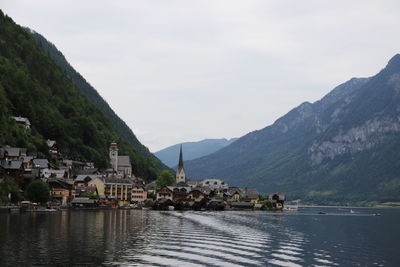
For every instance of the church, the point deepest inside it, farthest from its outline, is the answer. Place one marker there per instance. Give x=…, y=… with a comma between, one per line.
x=180, y=178
x=121, y=164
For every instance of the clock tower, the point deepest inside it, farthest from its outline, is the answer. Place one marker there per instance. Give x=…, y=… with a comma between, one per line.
x=114, y=155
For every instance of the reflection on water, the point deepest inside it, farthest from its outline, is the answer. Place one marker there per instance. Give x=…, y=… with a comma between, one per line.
x=156, y=238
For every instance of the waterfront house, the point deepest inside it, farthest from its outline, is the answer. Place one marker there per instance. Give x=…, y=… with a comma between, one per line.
x=83, y=202
x=277, y=200
x=139, y=193
x=235, y=194
x=179, y=193
x=121, y=189
x=61, y=190
x=250, y=195
x=151, y=189
x=195, y=194
x=165, y=193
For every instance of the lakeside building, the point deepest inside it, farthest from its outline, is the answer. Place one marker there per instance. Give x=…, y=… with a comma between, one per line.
x=277, y=200
x=124, y=191
x=214, y=194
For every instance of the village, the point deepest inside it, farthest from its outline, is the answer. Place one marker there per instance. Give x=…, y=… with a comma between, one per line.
x=80, y=185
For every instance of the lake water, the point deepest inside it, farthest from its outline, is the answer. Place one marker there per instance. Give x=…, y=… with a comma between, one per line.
x=230, y=238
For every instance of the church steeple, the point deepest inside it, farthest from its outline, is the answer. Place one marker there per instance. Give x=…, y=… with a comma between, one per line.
x=180, y=164
x=180, y=172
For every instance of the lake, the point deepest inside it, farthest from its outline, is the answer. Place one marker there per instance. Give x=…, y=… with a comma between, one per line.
x=190, y=238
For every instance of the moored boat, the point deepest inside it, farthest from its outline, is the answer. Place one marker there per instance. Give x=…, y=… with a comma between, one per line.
x=290, y=208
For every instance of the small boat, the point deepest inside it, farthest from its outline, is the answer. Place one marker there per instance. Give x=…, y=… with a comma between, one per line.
x=322, y=212
x=44, y=210
x=352, y=211
x=291, y=208
x=376, y=214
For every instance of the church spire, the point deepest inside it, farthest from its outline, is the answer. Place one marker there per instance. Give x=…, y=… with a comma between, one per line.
x=180, y=164
x=180, y=172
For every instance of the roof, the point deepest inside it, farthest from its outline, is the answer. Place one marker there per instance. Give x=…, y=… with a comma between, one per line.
x=250, y=193
x=88, y=171
x=50, y=143
x=22, y=120
x=187, y=188
x=12, y=151
x=26, y=159
x=124, y=161
x=282, y=197
x=233, y=190
x=61, y=183
x=41, y=163
x=192, y=182
x=151, y=186
x=11, y=165
x=204, y=190
x=82, y=177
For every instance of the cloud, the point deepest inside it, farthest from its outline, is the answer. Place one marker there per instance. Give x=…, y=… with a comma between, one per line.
x=186, y=70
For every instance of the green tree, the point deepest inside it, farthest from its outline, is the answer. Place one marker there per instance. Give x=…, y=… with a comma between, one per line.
x=267, y=204
x=9, y=188
x=38, y=191
x=165, y=178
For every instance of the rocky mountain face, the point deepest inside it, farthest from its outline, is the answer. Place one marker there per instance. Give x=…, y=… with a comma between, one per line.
x=192, y=150
x=341, y=148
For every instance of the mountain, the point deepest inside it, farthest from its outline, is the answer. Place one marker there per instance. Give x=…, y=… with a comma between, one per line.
x=343, y=148
x=192, y=150
x=59, y=104
x=143, y=157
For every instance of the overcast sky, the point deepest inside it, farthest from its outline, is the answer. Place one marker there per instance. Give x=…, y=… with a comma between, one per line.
x=186, y=70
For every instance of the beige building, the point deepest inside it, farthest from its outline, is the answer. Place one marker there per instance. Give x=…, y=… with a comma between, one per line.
x=122, y=190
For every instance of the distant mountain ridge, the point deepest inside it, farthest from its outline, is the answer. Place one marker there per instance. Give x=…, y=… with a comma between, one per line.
x=343, y=148
x=192, y=150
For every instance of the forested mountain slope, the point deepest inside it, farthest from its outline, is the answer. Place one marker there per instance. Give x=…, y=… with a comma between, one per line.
x=32, y=85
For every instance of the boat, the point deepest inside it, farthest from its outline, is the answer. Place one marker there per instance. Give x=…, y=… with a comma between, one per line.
x=352, y=211
x=44, y=210
x=322, y=212
x=290, y=208
x=376, y=214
